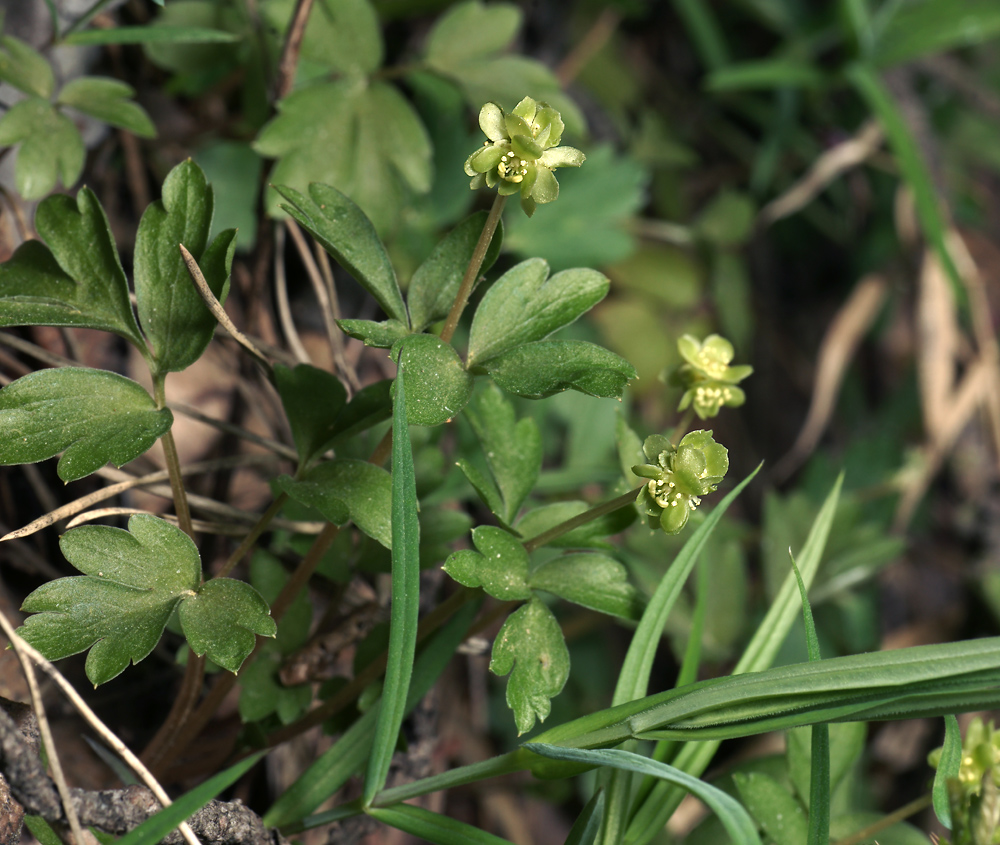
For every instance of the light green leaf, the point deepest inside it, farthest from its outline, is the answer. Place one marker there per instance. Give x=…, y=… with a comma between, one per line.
x=782, y=817
x=765, y=74
x=513, y=451
x=221, y=619
x=108, y=100
x=934, y=26
x=25, y=68
x=132, y=580
x=364, y=139
x=173, y=315
x=405, y=608
x=500, y=566
x=435, y=283
x=537, y=370
x=348, y=235
x=847, y=743
x=525, y=305
x=382, y=335
x=734, y=818
x=531, y=647
x=94, y=415
x=470, y=30
x=155, y=34
x=433, y=827
x=234, y=171
x=51, y=147
x=347, y=489
x=313, y=400
x=438, y=386
x=344, y=35
x=592, y=580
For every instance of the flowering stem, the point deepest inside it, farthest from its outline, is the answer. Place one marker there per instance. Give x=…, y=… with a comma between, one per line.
x=581, y=519
x=472, y=271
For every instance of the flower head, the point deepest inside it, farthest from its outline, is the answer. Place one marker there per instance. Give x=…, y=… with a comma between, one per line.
x=521, y=152
x=678, y=477
x=709, y=380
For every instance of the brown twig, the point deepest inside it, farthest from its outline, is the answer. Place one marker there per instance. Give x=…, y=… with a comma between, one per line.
x=290, y=52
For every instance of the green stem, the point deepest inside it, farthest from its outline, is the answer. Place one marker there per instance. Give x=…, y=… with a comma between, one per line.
x=86, y=17
x=899, y=815
x=472, y=271
x=173, y=464
x=582, y=519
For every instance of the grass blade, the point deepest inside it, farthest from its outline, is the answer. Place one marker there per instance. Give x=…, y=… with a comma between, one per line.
x=150, y=35
x=433, y=827
x=405, y=597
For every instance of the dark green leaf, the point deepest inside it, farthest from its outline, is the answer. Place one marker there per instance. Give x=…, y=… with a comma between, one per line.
x=79, y=283
x=155, y=828
x=500, y=566
x=108, y=100
x=531, y=644
x=774, y=807
x=25, y=68
x=118, y=608
x=313, y=400
x=347, y=489
x=51, y=147
x=405, y=595
x=221, y=620
x=591, y=580
x=435, y=283
x=947, y=769
x=513, y=451
x=364, y=139
x=383, y=335
x=159, y=34
x=369, y=406
x=765, y=74
x=525, y=305
x=233, y=170
x=94, y=415
x=262, y=693
x=433, y=827
x=348, y=235
x=173, y=314
x=438, y=386
x=540, y=369
x=588, y=824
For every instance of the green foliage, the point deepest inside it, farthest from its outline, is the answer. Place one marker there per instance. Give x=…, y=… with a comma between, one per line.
x=500, y=566
x=439, y=386
x=313, y=400
x=133, y=580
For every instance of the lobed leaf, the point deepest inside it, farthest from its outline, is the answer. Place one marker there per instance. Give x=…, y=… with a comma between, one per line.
x=530, y=646
x=438, y=386
x=94, y=415
x=313, y=400
x=537, y=370
x=344, y=35
x=51, y=148
x=132, y=581
x=525, y=305
x=591, y=580
x=500, y=566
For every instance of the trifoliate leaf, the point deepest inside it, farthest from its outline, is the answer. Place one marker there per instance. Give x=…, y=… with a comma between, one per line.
x=51, y=147
x=348, y=235
x=537, y=370
x=513, y=450
x=591, y=580
x=531, y=644
x=437, y=385
x=500, y=566
x=525, y=305
x=25, y=68
x=364, y=139
x=109, y=100
x=347, y=489
x=221, y=619
x=94, y=415
x=313, y=399
x=132, y=580
x=173, y=314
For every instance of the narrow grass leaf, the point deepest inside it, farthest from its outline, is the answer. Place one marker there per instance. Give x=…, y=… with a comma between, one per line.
x=948, y=766
x=588, y=823
x=156, y=827
x=734, y=818
x=150, y=35
x=434, y=827
x=405, y=597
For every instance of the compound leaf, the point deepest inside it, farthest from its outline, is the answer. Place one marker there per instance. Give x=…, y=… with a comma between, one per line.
x=51, y=147
x=118, y=608
x=349, y=236
x=525, y=305
x=537, y=370
x=500, y=566
x=173, y=314
x=531, y=647
x=94, y=415
x=108, y=100
x=221, y=619
x=592, y=580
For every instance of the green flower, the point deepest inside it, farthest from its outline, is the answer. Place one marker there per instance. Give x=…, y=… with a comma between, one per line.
x=679, y=477
x=973, y=796
x=709, y=380
x=521, y=153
